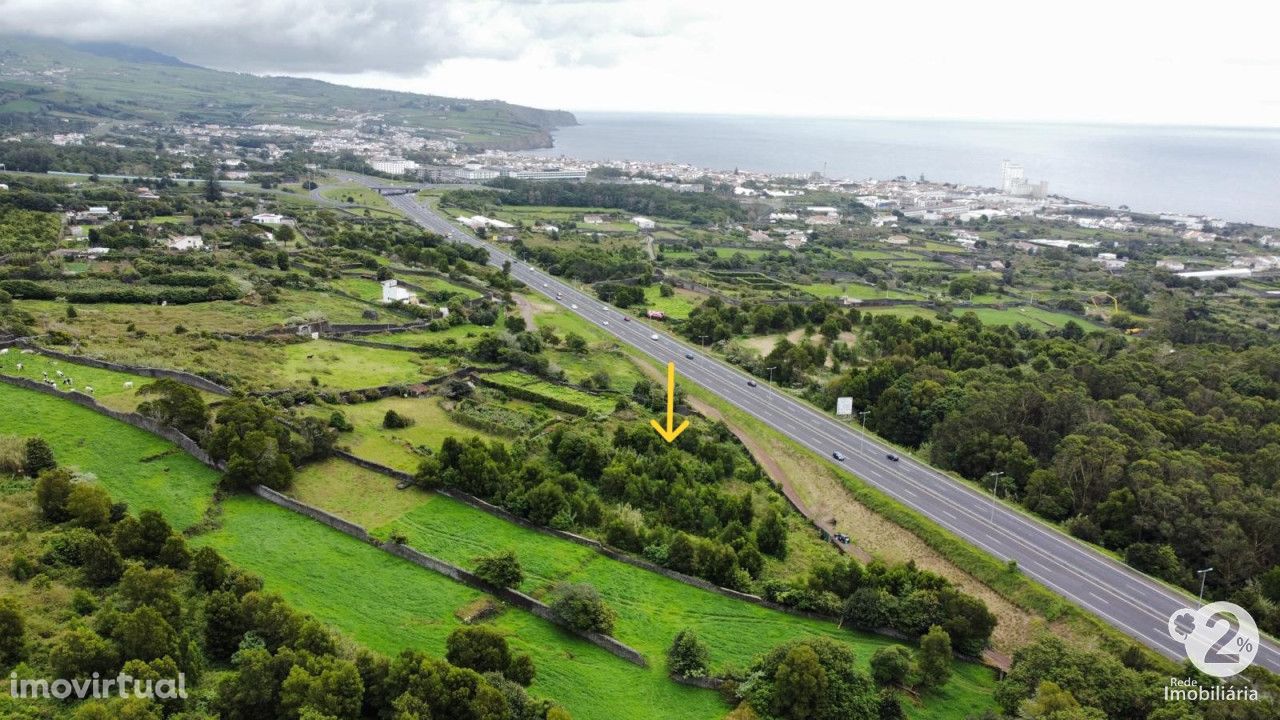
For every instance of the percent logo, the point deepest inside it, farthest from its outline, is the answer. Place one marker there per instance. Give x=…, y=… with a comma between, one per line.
x=1220, y=638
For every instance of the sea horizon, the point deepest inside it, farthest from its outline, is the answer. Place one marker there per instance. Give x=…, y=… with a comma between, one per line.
x=1226, y=172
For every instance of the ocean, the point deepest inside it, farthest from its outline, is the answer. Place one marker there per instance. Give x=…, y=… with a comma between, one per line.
x=1232, y=174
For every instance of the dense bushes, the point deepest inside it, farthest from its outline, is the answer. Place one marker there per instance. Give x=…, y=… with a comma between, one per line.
x=1167, y=456
x=640, y=494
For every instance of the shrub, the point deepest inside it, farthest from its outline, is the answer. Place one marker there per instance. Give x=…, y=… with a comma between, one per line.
x=687, y=655
x=53, y=489
x=37, y=457
x=935, y=657
x=12, y=632
x=395, y=421
x=890, y=665
x=580, y=607
x=501, y=569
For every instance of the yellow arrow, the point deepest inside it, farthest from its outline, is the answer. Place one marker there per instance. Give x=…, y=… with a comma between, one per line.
x=668, y=433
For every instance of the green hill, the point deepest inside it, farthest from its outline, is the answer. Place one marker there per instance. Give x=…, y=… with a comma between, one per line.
x=43, y=82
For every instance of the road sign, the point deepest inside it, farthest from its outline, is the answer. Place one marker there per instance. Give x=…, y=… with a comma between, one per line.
x=844, y=406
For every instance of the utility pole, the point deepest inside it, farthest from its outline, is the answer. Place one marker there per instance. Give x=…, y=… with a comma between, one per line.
x=1203, y=574
x=703, y=338
x=863, y=416
x=995, y=492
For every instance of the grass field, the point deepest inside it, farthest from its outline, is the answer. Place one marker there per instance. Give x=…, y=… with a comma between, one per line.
x=395, y=448
x=135, y=466
x=345, y=366
x=677, y=306
x=855, y=290
x=595, y=403
x=108, y=385
x=390, y=605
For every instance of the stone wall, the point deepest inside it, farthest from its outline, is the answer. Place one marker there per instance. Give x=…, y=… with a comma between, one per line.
x=141, y=422
x=466, y=577
x=316, y=514
x=196, y=381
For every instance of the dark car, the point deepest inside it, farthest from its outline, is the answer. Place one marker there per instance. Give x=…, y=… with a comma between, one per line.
x=838, y=455
x=688, y=356
x=751, y=383
x=892, y=457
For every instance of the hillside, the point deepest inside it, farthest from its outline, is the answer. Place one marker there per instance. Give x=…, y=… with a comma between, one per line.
x=45, y=81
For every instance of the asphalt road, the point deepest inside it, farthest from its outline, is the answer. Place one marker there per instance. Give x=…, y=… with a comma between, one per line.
x=1129, y=601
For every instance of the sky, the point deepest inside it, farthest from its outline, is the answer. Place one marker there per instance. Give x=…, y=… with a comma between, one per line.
x=1124, y=61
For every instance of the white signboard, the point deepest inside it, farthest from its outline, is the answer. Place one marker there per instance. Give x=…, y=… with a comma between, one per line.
x=844, y=406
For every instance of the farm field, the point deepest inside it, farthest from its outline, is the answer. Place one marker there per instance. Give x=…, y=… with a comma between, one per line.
x=677, y=306
x=856, y=290
x=390, y=605
x=396, y=448
x=346, y=367
x=108, y=385
x=651, y=608
x=595, y=403
x=135, y=466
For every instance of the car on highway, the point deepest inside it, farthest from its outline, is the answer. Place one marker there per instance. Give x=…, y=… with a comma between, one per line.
x=626, y=319
x=892, y=457
x=838, y=455
x=605, y=322
x=544, y=285
x=688, y=356
x=574, y=306
x=557, y=296
x=653, y=336
x=751, y=383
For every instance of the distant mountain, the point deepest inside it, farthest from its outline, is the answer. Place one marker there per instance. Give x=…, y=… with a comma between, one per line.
x=51, y=83
x=129, y=53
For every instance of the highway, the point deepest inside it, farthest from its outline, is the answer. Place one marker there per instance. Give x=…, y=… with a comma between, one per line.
x=1126, y=599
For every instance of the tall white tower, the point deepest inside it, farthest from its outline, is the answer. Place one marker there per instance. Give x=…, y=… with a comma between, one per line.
x=1011, y=177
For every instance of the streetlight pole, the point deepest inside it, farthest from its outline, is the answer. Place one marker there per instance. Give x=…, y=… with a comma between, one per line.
x=995, y=492
x=703, y=338
x=775, y=367
x=1203, y=574
x=863, y=416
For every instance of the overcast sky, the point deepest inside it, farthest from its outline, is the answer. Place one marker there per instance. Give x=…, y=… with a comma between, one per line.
x=1170, y=62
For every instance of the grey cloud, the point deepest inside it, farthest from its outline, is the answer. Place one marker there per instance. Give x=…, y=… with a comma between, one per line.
x=346, y=37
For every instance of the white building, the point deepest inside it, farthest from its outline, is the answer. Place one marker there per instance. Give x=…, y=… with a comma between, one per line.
x=1171, y=265
x=783, y=217
x=1213, y=274
x=182, y=243
x=643, y=223
x=475, y=222
x=393, y=166
x=268, y=218
x=1013, y=181
x=393, y=293
x=98, y=210
x=882, y=220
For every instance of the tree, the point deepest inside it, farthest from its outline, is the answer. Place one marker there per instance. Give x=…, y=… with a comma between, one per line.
x=479, y=648
x=771, y=534
x=177, y=405
x=514, y=324
x=687, y=655
x=38, y=457
x=53, y=490
x=100, y=561
x=501, y=569
x=393, y=420
x=209, y=569
x=12, y=632
x=580, y=607
x=145, y=635
x=80, y=652
x=212, y=188
x=891, y=665
x=800, y=685
x=89, y=506
x=935, y=657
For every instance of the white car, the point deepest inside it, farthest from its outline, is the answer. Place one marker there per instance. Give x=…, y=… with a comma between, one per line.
x=575, y=307
x=544, y=285
x=653, y=336
x=606, y=322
